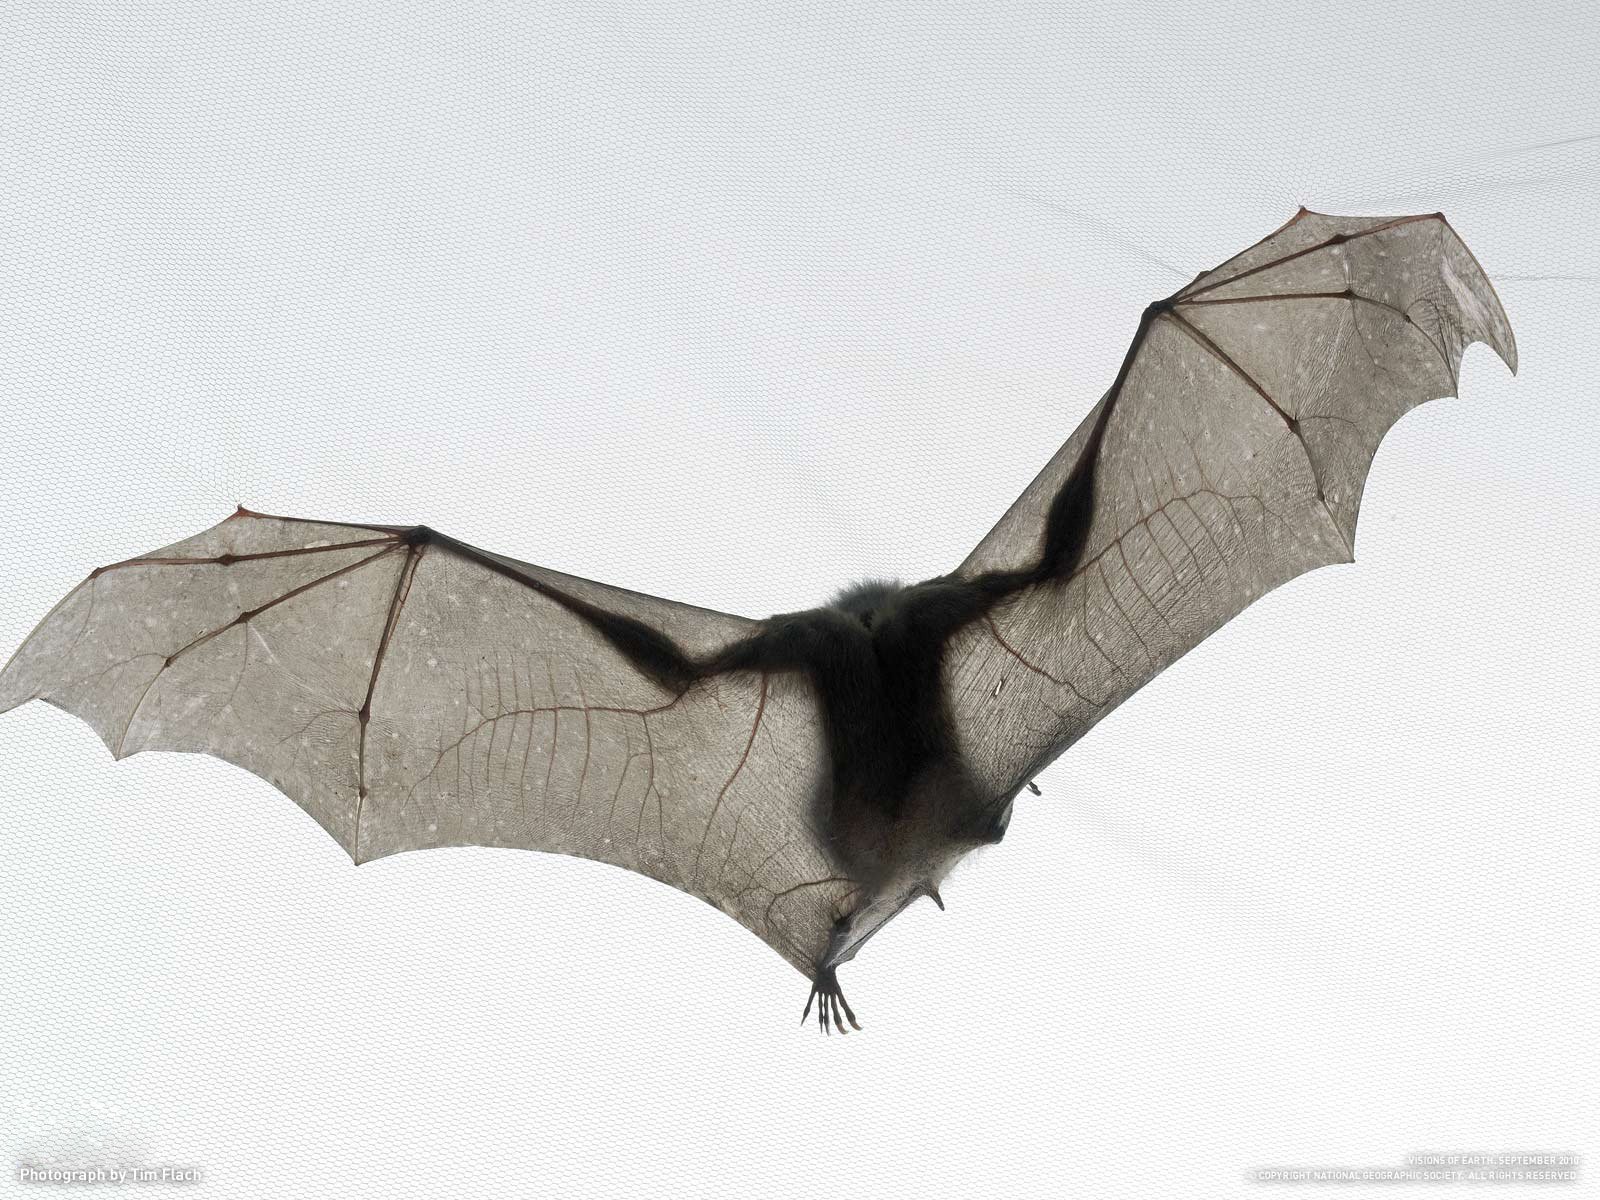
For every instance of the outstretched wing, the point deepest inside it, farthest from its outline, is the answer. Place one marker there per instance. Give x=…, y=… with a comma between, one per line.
x=410, y=691
x=1234, y=446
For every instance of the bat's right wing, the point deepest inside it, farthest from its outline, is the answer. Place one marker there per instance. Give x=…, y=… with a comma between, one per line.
x=408, y=691
x=1229, y=456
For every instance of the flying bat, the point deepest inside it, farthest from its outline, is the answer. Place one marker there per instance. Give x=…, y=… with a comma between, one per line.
x=814, y=773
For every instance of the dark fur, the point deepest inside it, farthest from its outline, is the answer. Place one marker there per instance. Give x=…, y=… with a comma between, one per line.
x=899, y=795
x=875, y=656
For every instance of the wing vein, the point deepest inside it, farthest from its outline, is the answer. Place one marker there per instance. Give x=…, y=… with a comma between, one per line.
x=402, y=589
x=242, y=618
x=1337, y=239
x=711, y=817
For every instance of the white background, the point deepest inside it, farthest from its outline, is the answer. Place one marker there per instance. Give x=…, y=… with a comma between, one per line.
x=735, y=304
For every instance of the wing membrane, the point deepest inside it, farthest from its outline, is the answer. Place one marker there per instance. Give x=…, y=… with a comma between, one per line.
x=411, y=692
x=1241, y=431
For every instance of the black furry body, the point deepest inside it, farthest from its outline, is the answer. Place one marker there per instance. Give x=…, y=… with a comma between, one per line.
x=875, y=655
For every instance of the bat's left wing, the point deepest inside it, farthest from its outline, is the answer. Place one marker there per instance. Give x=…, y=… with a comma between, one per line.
x=1227, y=458
x=409, y=690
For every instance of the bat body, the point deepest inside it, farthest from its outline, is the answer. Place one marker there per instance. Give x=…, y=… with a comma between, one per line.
x=813, y=773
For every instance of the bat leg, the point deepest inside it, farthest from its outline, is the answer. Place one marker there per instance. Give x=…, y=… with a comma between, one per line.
x=833, y=1010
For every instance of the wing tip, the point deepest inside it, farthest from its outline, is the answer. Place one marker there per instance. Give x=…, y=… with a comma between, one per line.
x=1498, y=334
x=1507, y=354
x=11, y=695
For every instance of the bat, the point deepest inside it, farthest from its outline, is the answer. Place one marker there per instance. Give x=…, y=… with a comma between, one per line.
x=814, y=773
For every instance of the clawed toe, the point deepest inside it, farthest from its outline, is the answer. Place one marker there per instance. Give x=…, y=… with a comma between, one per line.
x=833, y=1010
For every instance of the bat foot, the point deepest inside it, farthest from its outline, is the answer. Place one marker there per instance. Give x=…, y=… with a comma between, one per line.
x=833, y=1010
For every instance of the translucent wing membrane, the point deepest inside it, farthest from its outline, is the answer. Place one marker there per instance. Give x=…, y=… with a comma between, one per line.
x=409, y=691
x=1241, y=430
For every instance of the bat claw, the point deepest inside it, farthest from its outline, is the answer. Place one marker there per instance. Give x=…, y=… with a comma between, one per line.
x=833, y=1010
